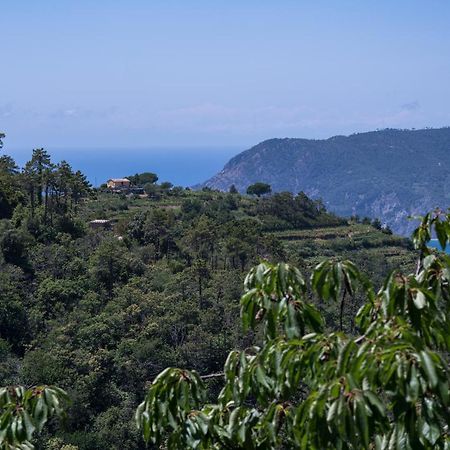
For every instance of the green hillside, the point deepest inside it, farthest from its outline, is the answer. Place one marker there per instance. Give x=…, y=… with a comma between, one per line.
x=388, y=174
x=100, y=308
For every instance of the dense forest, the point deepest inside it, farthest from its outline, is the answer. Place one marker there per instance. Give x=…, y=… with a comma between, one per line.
x=384, y=385
x=386, y=174
x=100, y=308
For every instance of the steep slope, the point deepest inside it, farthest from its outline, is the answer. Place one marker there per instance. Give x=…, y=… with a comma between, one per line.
x=389, y=174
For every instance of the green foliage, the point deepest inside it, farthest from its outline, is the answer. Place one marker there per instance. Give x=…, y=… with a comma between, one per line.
x=100, y=313
x=386, y=388
x=141, y=179
x=422, y=235
x=110, y=263
x=331, y=279
x=166, y=185
x=51, y=192
x=152, y=190
x=58, y=444
x=25, y=411
x=381, y=173
x=13, y=316
x=284, y=211
x=13, y=246
x=10, y=189
x=159, y=412
x=259, y=189
x=275, y=294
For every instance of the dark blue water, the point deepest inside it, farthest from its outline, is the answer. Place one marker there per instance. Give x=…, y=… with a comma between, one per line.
x=180, y=166
x=435, y=244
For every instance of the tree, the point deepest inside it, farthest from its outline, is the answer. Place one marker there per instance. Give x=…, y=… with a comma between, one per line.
x=53, y=193
x=166, y=186
x=13, y=314
x=376, y=223
x=259, y=189
x=141, y=179
x=109, y=263
x=10, y=190
x=233, y=189
x=25, y=411
x=2, y=136
x=152, y=190
x=80, y=186
x=36, y=178
x=153, y=227
x=386, y=388
x=8, y=165
x=332, y=279
x=42, y=166
x=13, y=247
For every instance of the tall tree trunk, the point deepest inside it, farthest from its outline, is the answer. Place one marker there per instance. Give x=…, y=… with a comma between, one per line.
x=32, y=200
x=40, y=187
x=46, y=203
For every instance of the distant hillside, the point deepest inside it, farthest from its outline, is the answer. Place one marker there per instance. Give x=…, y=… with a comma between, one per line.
x=389, y=174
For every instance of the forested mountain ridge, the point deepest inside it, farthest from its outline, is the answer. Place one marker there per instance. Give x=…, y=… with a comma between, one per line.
x=390, y=174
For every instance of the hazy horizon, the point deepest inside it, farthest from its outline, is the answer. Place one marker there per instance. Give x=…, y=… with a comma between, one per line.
x=201, y=147
x=179, y=165
x=228, y=74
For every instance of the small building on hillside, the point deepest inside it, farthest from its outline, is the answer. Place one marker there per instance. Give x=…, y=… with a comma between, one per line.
x=118, y=183
x=102, y=224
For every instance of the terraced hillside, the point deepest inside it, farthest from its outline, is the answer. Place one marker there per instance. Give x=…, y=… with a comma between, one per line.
x=375, y=251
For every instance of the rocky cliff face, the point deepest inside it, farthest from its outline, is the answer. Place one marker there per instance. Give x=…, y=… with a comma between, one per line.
x=388, y=174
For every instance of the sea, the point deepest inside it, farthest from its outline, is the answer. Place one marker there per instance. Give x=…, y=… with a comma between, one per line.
x=182, y=166
x=435, y=244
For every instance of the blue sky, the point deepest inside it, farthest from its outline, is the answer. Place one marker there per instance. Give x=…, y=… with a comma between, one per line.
x=85, y=74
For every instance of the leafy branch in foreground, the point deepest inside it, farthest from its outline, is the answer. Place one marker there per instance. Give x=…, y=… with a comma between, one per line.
x=25, y=411
x=387, y=388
